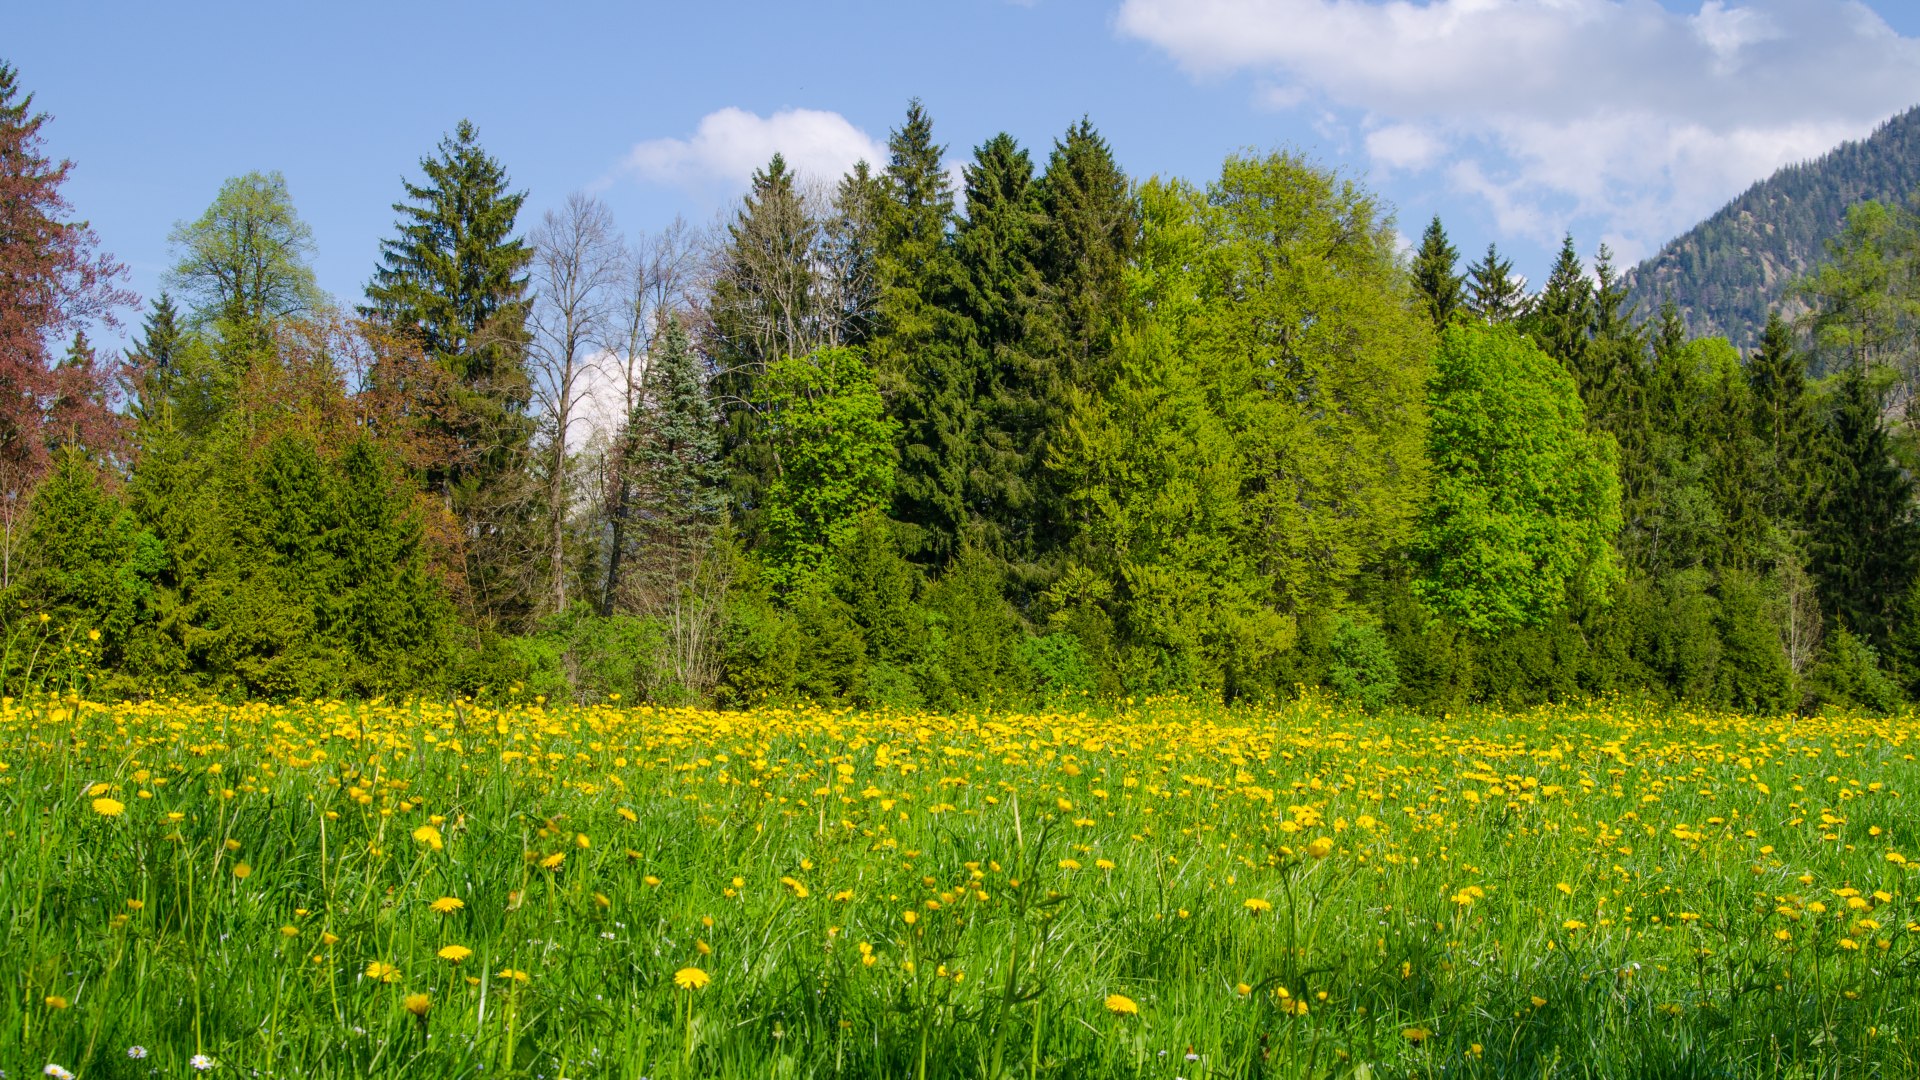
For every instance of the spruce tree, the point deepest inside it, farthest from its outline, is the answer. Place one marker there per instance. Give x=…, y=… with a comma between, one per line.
x=1783, y=422
x=84, y=562
x=760, y=310
x=1494, y=294
x=996, y=246
x=1089, y=233
x=154, y=361
x=1436, y=275
x=918, y=351
x=1864, y=539
x=391, y=619
x=1562, y=317
x=850, y=272
x=670, y=499
x=452, y=280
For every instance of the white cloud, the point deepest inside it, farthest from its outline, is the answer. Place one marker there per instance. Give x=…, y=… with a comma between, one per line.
x=728, y=145
x=1404, y=146
x=1619, y=110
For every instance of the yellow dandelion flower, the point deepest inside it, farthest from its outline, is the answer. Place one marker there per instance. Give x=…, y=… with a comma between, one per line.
x=1122, y=1005
x=511, y=975
x=418, y=1004
x=1320, y=847
x=455, y=953
x=106, y=807
x=242, y=871
x=1256, y=904
x=383, y=972
x=447, y=905
x=55, y=1001
x=691, y=978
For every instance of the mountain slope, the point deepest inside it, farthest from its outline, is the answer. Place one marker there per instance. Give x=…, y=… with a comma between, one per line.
x=1728, y=270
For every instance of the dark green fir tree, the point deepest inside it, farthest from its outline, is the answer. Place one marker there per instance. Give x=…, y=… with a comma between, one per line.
x=1494, y=294
x=1864, y=540
x=1436, y=275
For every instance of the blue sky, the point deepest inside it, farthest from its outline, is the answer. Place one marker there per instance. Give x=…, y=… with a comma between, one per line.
x=1516, y=120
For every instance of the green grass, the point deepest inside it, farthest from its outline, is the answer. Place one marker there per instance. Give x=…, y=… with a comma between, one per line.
x=1566, y=893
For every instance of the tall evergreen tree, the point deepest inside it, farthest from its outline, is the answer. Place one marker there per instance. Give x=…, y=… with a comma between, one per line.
x=668, y=499
x=1783, y=422
x=760, y=310
x=1089, y=233
x=996, y=245
x=155, y=360
x=453, y=281
x=918, y=351
x=850, y=271
x=1864, y=539
x=1494, y=294
x=1436, y=274
x=1562, y=317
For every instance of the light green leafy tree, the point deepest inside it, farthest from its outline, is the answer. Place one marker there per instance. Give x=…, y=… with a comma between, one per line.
x=832, y=445
x=1525, y=501
x=1263, y=435
x=243, y=264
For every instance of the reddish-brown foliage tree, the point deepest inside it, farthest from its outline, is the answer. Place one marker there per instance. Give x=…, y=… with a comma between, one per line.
x=54, y=282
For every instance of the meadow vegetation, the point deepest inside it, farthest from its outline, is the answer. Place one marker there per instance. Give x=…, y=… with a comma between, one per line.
x=1163, y=890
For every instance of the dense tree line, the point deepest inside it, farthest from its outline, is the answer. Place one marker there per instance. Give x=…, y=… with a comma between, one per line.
x=1055, y=435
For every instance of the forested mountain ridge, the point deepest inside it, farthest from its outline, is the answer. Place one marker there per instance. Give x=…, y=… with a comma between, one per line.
x=1726, y=272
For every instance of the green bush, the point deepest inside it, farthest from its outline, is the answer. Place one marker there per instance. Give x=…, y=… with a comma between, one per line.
x=1848, y=676
x=1361, y=665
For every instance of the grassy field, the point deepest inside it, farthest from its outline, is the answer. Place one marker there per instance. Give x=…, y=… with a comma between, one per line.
x=1169, y=891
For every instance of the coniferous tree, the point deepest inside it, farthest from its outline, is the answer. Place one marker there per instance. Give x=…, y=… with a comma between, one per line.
x=1494, y=294
x=918, y=350
x=1864, y=539
x=671, y=448
x=1613, y=375
x=996, y=247
x=154, y=362
x=1783, y=422
x=453, y=281
x=1735, y=459
x=849, y=257
x=393, y=620
x=1436, y=275
x=1089, y=231
x=1562, y=317
x=85, y=561
x=760, y=310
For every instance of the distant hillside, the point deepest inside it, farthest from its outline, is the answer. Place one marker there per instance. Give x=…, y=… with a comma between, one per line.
x=1727, y=271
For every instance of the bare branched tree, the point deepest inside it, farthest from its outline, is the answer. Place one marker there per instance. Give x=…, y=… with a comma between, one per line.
x=576, y=273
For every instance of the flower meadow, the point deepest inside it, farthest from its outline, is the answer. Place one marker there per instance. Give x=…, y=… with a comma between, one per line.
x=1167, y=890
